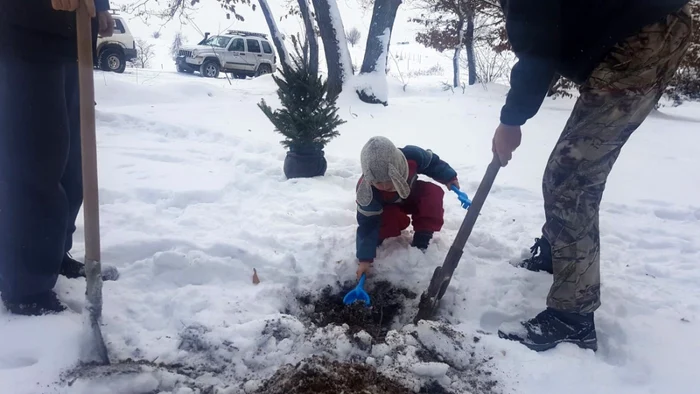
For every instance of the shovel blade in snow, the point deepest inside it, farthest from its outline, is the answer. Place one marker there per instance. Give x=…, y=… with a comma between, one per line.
x=430, y=299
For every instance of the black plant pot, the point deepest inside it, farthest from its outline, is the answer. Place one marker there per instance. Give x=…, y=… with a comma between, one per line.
x=304, y=163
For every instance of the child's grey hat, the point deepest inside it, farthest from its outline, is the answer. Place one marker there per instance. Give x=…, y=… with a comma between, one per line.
x=382, y=161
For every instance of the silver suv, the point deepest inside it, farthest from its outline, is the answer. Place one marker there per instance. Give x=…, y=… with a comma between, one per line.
x=240, y=53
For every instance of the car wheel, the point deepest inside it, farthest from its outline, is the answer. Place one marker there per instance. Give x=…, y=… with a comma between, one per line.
x=112, y=60
x=209, y=69
x=263, y=69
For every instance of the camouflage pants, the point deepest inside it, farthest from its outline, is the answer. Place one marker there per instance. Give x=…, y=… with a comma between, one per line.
x=614, y=101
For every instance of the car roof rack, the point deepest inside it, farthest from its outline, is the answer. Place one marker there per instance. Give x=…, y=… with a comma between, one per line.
x=247, y=33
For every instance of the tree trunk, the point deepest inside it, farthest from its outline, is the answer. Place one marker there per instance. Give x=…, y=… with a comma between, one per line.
x=377, y=50
x=458, y=51
x=334, y=43
x=276, y=35
x=310, y=36
x=471, y=59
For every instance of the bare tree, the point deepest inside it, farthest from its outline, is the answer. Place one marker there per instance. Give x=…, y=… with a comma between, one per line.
x=177, y=43
x=335, y=44
x=377, y=49
x=144, y=54
x=353, y=36
x=311, y=37
x=458, y=24
x=490, y=65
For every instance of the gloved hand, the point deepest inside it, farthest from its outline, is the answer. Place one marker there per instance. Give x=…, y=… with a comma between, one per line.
x=72, y=5
x=106, y=23
x=455, y=182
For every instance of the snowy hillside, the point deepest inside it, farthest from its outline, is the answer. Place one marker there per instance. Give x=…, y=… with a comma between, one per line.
x=193, y=200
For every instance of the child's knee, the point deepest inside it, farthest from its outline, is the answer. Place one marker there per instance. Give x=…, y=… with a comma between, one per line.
x=431, y=194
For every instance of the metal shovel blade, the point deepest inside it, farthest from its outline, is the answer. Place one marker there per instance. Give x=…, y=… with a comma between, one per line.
x=430, y=299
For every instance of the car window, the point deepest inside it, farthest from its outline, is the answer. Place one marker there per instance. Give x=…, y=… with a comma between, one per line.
x=217, y=41
x=266, y=47
x=237, y=45
x=119, y=26
x=253, y=45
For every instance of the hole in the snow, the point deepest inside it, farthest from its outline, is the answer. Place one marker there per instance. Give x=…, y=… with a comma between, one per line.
x=387, y=302
x=319, y=375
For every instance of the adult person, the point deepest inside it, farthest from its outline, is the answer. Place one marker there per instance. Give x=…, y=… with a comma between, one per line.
x=40, y=164
x=623, y=53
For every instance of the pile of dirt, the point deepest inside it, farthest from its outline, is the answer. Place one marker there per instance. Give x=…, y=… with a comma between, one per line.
x=387, y=302
x=319, y=375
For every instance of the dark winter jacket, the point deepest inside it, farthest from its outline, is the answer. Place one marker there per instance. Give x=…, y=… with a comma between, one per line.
x=420, y=161
x=569, y=38
x=33, y=29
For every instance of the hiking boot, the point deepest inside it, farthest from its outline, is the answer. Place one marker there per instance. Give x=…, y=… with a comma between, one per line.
x=421, y=239
x=45, y=303
x=552, y=327
x=72, y=268
x=541, y=259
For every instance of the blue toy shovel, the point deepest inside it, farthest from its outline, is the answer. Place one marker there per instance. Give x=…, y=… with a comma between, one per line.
x=358, y=293
x=463, y=198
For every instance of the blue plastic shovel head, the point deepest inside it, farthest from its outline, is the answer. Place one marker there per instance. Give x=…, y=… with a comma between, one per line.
x=463, y=198
x=358, y=293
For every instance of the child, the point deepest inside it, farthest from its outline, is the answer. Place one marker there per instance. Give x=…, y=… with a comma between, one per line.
x=389, y=191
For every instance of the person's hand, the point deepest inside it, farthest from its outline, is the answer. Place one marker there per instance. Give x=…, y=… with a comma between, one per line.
x=72, y=5
x=505, y=141
x=363, y=268
x=454, y=182
x=106, y=24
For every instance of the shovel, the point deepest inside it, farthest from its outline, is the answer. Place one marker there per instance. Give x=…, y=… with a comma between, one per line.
x=95, y=349
x=442, y=275
x=462, y=196
x=358, y=293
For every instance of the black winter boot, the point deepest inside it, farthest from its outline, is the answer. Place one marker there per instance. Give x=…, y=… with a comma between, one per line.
x=541, y=259
x=72, y=268
x=552, y=327
x=35, y=305
x=421, y=239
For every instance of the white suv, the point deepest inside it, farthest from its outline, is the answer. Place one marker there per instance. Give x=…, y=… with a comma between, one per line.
x=114, y=52
x=240, y=53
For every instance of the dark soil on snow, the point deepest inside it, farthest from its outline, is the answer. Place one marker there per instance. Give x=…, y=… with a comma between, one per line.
x=319, y=375
x=387, y=302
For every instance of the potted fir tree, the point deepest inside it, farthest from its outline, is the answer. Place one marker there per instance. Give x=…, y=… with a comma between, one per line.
x=308, y=118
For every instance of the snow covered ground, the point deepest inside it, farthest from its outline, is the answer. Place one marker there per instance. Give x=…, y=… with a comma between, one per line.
x=193, y=198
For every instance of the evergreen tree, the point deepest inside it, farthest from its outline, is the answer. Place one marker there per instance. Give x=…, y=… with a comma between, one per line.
x=309, y=117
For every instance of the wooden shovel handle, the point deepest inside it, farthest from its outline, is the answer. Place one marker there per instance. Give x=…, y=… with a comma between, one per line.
x=88, y=136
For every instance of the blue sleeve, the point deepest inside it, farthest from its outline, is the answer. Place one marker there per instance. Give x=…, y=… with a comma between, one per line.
x=102, y=5
x=533, y=31
x=368, y=224
x=430, y=164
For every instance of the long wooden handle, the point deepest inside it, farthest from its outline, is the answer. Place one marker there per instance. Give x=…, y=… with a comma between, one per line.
x=475, y=208
x=88, y=136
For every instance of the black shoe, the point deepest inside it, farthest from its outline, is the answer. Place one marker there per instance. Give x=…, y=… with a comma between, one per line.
x=35, y=305
x=541, y=259
x=421, y=239
x=72, y=268
x=552, y=327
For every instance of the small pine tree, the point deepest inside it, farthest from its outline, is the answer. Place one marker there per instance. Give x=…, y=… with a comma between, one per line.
x=309, y=116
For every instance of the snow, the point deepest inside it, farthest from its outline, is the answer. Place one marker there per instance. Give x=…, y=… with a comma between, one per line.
x=375, y=83
x=193, y=198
